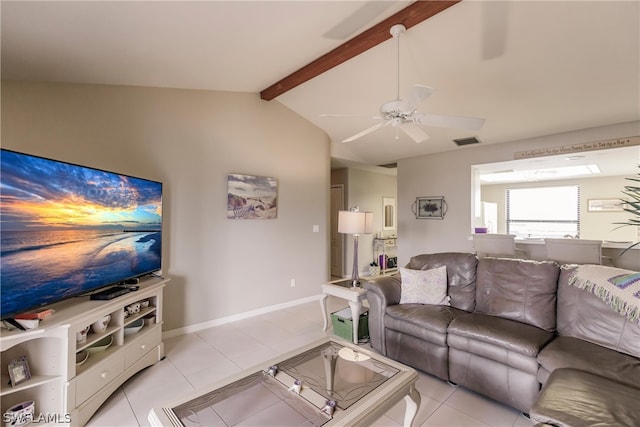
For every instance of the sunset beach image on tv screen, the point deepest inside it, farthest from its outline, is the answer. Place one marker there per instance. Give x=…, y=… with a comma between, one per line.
x=67, y=229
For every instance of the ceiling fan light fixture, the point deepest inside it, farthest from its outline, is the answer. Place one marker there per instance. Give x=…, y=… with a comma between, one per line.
x=397, y=29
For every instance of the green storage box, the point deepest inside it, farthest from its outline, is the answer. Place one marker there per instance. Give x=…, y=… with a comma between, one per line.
x=342, y=321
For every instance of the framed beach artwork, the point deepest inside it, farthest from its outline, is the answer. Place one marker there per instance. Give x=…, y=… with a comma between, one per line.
x=252, y=197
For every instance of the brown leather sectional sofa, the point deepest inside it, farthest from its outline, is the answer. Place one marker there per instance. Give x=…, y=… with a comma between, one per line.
x=514, y=328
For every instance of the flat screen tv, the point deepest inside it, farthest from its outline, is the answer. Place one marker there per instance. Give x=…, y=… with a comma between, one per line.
x=67, y=230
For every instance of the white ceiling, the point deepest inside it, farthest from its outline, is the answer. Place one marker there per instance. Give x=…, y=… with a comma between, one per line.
x=530, y=68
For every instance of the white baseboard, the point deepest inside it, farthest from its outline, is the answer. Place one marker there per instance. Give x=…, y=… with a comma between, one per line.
x=235, y=317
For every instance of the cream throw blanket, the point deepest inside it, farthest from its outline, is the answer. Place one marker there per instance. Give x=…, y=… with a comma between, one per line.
x=617, y=287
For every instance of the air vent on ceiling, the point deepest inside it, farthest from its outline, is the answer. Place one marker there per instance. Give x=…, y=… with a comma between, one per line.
x=467, y=141
x=389, y=165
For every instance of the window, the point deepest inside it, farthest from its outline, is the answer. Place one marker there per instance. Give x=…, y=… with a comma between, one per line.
x=544, y=212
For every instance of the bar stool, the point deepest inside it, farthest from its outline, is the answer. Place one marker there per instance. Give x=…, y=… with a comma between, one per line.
x=574, y=251
x=496, y=245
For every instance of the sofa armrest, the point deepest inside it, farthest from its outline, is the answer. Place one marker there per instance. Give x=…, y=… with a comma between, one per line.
x=381, y=292
x=386, y=289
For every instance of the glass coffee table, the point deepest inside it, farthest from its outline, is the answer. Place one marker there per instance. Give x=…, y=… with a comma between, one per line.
x=328, y=383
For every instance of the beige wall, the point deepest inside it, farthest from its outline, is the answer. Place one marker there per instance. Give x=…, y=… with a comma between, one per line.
x=448, y=174
x=190, y=140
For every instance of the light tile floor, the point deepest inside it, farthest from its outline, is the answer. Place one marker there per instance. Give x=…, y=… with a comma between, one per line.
x=197, y=359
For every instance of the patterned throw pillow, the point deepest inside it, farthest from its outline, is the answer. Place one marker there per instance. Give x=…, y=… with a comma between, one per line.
x=424, y=286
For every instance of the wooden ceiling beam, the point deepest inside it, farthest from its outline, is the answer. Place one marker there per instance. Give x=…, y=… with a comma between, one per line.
x=411, y=15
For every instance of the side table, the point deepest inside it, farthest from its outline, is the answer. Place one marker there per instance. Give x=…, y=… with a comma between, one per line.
x=342, y=288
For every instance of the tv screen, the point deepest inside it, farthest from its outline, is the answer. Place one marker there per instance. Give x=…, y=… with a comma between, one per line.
x=67, y=230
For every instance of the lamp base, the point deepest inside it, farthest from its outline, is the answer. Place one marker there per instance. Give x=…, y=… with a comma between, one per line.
x=355, y=277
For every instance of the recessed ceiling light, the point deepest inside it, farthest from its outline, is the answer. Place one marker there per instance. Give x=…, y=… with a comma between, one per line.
x=593, y=168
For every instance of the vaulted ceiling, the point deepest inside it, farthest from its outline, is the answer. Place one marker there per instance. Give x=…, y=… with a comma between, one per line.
x=530, y=68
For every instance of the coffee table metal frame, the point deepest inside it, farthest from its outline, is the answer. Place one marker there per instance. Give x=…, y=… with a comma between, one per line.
x=364, y=412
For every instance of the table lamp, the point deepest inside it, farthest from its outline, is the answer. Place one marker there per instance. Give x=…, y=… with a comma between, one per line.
x=355, y=223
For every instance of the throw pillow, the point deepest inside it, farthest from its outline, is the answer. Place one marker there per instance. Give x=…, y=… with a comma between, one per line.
x=424, y=286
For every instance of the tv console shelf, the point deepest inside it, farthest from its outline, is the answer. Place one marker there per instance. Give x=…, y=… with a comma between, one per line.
x=67, y=392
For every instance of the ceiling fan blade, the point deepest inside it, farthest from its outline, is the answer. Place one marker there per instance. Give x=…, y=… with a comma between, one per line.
x=350, y=115
x=366, y=131
x=495, y=16
x=458, y=122
x=417, y=94
x=357, y=20
x=414, y=132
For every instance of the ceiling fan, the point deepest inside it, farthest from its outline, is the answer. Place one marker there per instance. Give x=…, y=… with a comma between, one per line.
x=402, y=113
x=358, y=19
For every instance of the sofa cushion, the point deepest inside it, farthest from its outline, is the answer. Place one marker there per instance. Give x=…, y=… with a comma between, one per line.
x=521, y=290
x=576, y=398
x=424, y=286
x=570, y=352
x=461, y=275
x=427, y=322
x=583, y=315
x=511, y=343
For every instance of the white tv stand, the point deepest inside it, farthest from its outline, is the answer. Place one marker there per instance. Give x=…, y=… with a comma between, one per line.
x=63, y=391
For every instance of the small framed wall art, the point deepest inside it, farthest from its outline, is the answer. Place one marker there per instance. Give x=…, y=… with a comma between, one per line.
x=429, y=207
x=605, y=205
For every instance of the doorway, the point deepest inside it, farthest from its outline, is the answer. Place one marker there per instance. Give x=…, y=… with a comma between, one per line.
x=337, y=239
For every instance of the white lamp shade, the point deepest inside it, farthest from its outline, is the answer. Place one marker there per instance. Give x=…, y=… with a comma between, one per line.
x=354, y=222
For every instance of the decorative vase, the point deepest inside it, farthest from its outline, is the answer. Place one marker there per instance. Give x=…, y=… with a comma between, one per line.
x=374, y=270
x=19, y=415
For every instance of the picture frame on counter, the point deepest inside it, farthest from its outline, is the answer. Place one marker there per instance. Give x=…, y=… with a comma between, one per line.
x=19, y=371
